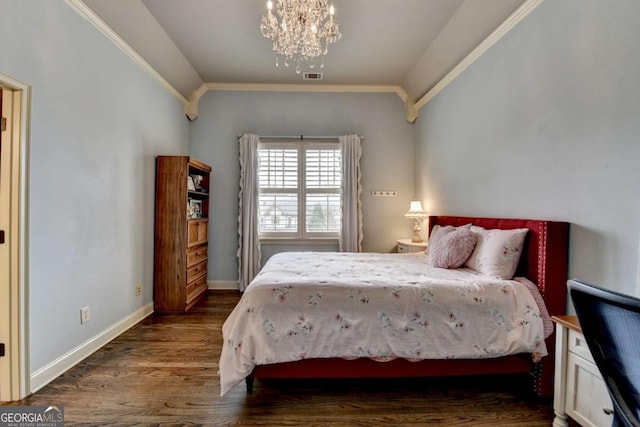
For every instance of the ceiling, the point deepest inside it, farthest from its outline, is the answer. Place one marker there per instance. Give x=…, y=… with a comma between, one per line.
x=408, y=43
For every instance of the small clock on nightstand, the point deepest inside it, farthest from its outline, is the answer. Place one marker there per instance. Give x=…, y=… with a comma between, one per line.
x=406, y=246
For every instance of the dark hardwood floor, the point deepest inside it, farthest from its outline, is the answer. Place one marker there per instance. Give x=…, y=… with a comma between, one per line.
x=164, y=370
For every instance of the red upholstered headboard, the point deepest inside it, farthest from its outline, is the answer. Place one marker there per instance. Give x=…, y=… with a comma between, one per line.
x=544, y=256
x=544, y=261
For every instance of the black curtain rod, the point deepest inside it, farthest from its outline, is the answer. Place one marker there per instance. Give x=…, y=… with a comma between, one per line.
x=300, y=137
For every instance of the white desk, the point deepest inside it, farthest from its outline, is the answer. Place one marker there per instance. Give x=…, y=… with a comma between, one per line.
x=579, y=391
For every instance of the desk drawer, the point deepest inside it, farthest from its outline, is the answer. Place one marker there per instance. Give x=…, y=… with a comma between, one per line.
x=578, y=345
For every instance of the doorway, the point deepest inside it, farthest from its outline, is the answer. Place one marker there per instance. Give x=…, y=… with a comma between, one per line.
x=14, y=377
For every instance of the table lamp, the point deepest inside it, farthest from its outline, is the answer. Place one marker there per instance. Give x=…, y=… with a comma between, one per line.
x=418, y=215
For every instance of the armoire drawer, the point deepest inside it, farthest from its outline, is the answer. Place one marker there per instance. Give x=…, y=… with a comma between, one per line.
x=196, y=255
x=196, y=271
x=197, y=232
x=195, y=289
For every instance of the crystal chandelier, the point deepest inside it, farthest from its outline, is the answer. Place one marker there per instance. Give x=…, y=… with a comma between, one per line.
x=303, y=32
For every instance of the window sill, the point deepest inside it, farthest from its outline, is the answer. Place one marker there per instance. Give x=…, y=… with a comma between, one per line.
x=303, y=242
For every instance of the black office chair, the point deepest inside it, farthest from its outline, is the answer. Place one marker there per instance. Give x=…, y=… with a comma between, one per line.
x=610, y=323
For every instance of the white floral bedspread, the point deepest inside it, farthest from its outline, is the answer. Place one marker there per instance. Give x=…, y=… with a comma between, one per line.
x=317, y=305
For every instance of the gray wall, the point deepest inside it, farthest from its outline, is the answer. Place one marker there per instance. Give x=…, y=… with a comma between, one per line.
x=97, y=123
x=387, y=161
x=546, y=125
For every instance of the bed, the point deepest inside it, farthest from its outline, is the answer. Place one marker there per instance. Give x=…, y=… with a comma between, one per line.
x=254, y=342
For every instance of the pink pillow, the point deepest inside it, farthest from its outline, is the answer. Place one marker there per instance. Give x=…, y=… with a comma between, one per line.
x=450, y=246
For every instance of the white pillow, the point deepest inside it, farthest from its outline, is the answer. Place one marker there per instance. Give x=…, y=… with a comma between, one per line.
x=497, y=252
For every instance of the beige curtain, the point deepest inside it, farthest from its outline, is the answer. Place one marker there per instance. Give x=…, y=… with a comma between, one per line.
x=351, y=233
x=248, y=237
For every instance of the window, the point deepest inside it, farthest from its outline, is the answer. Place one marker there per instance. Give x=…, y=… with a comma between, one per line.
x=299, y=190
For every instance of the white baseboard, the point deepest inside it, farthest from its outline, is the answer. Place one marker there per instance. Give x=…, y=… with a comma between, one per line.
x=53, y=370
x=223, y=285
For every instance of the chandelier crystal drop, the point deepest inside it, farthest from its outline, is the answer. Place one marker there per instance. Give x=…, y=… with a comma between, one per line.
x=300, y=30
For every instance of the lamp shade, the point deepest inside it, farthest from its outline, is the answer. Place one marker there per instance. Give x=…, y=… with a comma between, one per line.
x=415, y=210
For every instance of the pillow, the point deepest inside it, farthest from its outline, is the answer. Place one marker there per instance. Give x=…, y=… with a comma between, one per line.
x=437, y=232
x=497, y=252
x=451, y=246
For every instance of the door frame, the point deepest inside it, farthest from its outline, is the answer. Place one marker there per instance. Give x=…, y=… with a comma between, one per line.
x=14, y=367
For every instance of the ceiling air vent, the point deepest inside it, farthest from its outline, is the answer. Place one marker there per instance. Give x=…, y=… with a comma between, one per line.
x=312, y=76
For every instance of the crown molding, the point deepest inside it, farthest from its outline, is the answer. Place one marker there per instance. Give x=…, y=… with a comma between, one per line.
x=518, y=15
x=194, y=99
x=87, y=13
x=281, y=87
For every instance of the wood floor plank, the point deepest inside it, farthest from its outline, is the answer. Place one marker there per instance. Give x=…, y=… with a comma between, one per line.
x=164, y=371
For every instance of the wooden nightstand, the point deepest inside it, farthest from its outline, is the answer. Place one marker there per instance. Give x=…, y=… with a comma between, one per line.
x=406, y=246
x=579, y=390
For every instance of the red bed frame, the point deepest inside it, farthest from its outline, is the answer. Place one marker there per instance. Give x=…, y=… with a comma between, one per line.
x=543, y=261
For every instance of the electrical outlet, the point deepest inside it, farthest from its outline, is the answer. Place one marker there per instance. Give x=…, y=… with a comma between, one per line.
x=138, y=289
x=85, y=315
